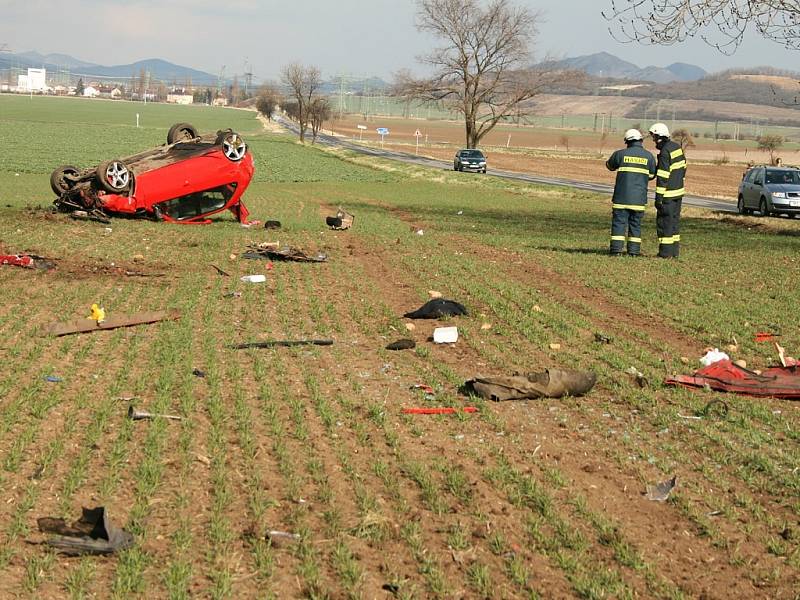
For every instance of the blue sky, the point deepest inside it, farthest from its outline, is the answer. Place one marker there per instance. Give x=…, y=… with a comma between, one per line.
x=358, y=37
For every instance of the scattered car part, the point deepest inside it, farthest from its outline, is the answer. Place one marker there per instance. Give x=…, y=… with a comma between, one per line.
x=142, y=415
x=442, y=410
x=98, y=314
x=342, y=220
x=550, y=383
x=445, y=335
x=53, y=379
x=437, y=308
x=64, y=178
x=282, y=536
x=404, y=344
x=272, y=225
x=424, y=387
x=661, y=491
x=602, y=339
x=712, y=356
x=181, y=132
x=282, y=343
x=724, y=376
x=253, y=278
x=766, y=337
x=29, y=261
x=88, y=325
x=93, y=533
x=221, y=272
x=285, y=253
x=186, y=181
x=198, y=373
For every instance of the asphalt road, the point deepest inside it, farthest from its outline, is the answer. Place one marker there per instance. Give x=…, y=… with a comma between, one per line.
x=601, y=188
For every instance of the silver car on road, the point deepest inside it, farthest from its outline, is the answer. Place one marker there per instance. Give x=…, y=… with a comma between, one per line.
x=770, y=190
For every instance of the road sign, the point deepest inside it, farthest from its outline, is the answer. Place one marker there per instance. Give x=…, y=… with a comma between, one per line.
x=417, y=133
x=361, y=126
x=382, y=130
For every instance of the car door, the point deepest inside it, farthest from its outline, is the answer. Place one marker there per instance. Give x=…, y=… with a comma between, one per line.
x=756, y=189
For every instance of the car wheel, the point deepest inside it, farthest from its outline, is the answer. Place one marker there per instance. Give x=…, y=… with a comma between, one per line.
x=181, y=132
x=114, y=176
x=762, y=207
x=62, y=179
x=743, y=210
x=484, y=171
x=233, y=146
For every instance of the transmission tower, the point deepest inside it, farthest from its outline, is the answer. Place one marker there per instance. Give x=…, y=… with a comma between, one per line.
x=220, y=80
x=248, y=77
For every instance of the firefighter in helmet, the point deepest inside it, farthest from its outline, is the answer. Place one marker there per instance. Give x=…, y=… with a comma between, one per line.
x=635, y=167
x=669, y=191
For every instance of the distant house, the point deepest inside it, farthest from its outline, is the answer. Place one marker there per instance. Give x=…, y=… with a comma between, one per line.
x=90, y=92
x=109, y=91
x=180, y=98
x=219, y=102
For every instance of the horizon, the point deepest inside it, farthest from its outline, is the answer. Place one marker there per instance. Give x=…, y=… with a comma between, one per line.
x=349, y=38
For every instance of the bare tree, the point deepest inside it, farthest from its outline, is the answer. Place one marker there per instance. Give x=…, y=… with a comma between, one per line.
x=481, y=70
x=319, y=112
x=720, y=23
x=683, y=137
x=770, y=143
x=303, y=83
x=268, y=98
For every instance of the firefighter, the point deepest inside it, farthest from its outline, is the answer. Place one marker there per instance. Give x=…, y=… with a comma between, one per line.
x=669, y=191
x=635, y=166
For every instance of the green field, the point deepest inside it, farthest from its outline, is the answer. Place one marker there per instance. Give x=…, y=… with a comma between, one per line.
x=533, y=499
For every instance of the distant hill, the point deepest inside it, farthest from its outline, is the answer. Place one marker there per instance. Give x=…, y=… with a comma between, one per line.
x=608, y=66
x=159, y=69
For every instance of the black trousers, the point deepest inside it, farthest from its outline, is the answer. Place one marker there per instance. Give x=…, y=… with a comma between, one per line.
x=668, y=219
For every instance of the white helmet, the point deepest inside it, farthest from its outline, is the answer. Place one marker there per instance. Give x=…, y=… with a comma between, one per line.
x=660, y=130
x=633, y=135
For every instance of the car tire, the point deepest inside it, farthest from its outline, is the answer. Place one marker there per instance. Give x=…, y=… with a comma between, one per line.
x=762, y=207
x=743, y=210
x=484, y=171
x=58, y=183
x=181, y=132
x=113, y=176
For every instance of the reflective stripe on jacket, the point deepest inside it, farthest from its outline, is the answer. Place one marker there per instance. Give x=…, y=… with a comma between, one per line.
x=635, y=166
x=671, y=171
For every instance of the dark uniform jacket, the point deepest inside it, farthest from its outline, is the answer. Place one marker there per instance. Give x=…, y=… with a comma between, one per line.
x=635, y=166
x=671, y=171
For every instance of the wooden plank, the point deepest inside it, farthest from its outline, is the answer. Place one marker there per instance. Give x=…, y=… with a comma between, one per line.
x=88, y=325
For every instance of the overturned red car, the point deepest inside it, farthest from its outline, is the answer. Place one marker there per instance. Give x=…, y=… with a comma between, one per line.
x=185, y=181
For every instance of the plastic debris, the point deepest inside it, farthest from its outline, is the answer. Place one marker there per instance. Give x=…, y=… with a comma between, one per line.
x=98, y=314
x=437, y=308
x=143, y=415
x=445, y=335
x=661, y=491
x=442, y=410
x=404, y=344
x=342, y=220
x=53, y=379
x=93, y=533
x=712, y=356
x=766, y=337
x=424, y=387
x=253, y=278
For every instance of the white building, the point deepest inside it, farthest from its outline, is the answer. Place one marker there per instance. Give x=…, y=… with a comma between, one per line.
x=91, y=92
x=34, y=81
x=180, y=98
